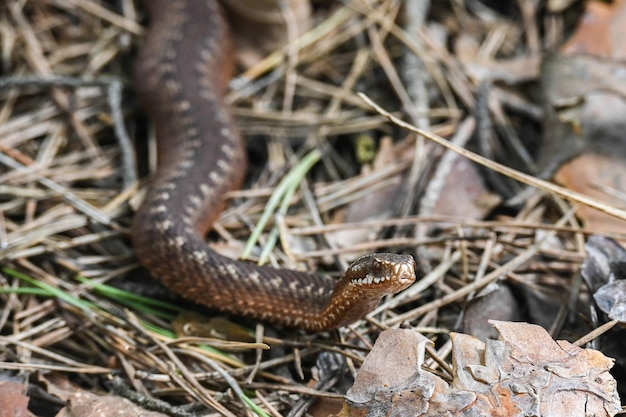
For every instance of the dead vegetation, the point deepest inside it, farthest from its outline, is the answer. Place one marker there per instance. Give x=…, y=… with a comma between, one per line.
x=71, y=131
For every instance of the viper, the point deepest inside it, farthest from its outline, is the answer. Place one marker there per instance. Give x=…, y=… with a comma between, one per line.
x=182, y=68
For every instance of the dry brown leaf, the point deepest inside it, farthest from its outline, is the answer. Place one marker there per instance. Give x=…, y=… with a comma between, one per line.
x=495, y=301
x=58, y=385
x=601, y=31
x=324, y=407
x=390, y=382
x=535, y=374
x=591, y=36
x=13, y=400
x=584, y=85
x=87, y=404
x=465, y=183
x=524, y=373
x=589, y=112
x=601, y=176
x=585, y=109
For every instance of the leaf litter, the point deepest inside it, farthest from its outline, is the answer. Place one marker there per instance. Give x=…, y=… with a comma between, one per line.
x=487, y=246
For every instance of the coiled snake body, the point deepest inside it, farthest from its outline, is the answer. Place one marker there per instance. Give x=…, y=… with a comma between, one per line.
x=180, y=74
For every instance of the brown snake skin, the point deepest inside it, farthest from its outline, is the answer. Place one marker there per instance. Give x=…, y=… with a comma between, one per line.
x=181, y=72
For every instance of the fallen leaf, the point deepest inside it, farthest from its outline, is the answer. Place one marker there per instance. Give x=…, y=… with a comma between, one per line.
x=524, y=373
x=600, y=176
x=604, y=256
x=465, y=183
x=586, y=110
x=495, y=302
x=13, y=400
x=87, y=404
x=611, y=298
x=591, y=36
x=600, y=32
x=391, y=380
x=604, y=272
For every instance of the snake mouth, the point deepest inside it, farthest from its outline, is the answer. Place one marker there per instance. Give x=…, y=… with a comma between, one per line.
x=393, y=272
x=405, y=273
x=401, y=274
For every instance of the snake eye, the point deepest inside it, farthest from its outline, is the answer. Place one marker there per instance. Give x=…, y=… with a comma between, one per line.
x=377, y=266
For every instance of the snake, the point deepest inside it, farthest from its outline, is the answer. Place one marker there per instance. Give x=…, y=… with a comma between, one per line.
x=182, y=69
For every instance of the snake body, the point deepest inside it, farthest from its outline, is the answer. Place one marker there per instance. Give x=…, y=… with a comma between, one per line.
x=180, y=75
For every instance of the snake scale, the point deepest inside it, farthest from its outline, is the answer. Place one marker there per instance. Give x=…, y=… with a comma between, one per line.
x=182, y=68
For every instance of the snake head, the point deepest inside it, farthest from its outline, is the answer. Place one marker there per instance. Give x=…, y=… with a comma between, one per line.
x=365, y=282
x=381, y=273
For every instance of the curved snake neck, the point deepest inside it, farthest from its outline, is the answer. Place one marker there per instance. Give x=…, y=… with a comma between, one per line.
x=180, y=74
